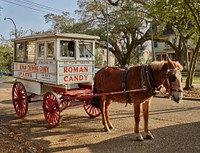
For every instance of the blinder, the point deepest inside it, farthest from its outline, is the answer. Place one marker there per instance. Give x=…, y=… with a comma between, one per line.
x=174, y=77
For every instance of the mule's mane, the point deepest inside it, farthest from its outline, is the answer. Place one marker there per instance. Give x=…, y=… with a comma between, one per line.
x=158, y=65
x=177, y=64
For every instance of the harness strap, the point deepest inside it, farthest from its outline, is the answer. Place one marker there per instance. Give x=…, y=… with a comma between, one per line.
x=147, y=79
x=124, y=74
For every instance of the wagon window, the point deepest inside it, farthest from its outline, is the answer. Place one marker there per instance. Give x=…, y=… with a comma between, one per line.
x=19, y=52
x=50, y=49
x=67, y=48
x=85, y=49
x=30, y=51
x=41, y=49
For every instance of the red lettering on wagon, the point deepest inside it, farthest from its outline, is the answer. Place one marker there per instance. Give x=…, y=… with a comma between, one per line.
x=33, y=68
x=22, y=67
x=43, y=69
x=25, y=74
x=75, y=78
x=75, y=69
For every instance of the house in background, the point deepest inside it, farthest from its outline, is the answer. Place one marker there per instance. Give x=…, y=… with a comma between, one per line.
x=101, y=57
x=162, y=48
x=143, y=57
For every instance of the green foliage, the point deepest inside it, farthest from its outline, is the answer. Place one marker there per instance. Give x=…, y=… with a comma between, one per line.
x=183, y=17
x=5, y=57
x=126, y=22
x=98, y=61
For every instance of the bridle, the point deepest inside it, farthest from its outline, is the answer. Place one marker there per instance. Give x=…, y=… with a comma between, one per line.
x=172, y=78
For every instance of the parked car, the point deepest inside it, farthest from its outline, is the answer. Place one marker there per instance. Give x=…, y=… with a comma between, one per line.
x=8, y=73
x=1, y=73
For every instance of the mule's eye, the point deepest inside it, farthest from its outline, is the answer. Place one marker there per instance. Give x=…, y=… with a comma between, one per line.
x=172, y=78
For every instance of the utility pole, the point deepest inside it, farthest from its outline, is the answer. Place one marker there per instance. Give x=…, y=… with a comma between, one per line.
x=15, y=28
x=107, y=37
x=152, y=43
x=0, y=12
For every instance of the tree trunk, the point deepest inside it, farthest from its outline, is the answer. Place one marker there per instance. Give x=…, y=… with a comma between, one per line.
x=192, y=66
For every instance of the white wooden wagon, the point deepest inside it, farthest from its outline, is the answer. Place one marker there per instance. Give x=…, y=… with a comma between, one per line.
x=57, y=69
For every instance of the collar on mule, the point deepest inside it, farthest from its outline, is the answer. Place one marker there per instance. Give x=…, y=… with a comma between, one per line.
x=147, y=79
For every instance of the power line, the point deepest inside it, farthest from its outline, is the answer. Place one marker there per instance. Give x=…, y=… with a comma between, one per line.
x=46, y=6
x=40, y=5
x=40, y=8
x=25, y=6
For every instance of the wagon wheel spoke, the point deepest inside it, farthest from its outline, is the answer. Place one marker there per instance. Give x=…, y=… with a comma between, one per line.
x=90, y=110
x=20, y=99
x=51, y=108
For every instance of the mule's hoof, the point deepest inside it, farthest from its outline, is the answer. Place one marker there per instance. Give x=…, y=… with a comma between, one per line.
x=106, y=129
x=139, y=138
x=149, y=136
x=111, y=127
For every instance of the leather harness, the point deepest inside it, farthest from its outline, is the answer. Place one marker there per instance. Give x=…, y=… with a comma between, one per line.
x=147, y=81
x=124, y=74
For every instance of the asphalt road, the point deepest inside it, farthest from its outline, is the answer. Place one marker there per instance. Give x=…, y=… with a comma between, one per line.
x=176, y=128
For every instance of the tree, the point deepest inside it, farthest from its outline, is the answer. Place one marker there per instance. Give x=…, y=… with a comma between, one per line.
x=5, y=57
x=194, y=8
x=183, y=18
x=60, y=22
x=127, y=25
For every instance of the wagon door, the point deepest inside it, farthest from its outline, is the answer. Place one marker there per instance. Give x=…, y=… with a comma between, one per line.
x=45, y=61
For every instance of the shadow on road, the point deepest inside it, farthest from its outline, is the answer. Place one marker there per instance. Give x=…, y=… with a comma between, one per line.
x=182, y=138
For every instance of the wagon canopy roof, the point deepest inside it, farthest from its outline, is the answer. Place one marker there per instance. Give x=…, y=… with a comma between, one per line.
x=58, y=35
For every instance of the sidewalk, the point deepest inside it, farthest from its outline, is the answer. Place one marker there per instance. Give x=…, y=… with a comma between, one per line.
x=162, y=94
x=6, y=79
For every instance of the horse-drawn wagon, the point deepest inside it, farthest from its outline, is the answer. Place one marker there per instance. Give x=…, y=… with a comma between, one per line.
x=60, y=68
x=56, y=69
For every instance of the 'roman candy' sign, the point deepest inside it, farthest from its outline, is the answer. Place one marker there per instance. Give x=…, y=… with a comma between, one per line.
x=75, y=73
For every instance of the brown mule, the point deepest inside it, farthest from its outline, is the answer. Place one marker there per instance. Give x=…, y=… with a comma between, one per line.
x=138, y=85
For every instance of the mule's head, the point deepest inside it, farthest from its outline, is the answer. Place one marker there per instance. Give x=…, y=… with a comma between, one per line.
x=173, y=80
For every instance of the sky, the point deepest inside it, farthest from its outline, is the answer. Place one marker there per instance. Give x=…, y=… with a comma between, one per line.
x=29, y=14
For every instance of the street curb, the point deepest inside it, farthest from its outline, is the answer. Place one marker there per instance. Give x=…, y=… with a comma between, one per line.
x=11, y=138
x=184, y=98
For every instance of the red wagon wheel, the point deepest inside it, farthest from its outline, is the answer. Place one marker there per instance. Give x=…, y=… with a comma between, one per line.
x=20, y=99
x=51, y=108
x=90, y=110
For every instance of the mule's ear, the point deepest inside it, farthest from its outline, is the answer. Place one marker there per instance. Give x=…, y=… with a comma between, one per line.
x=167, y=58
